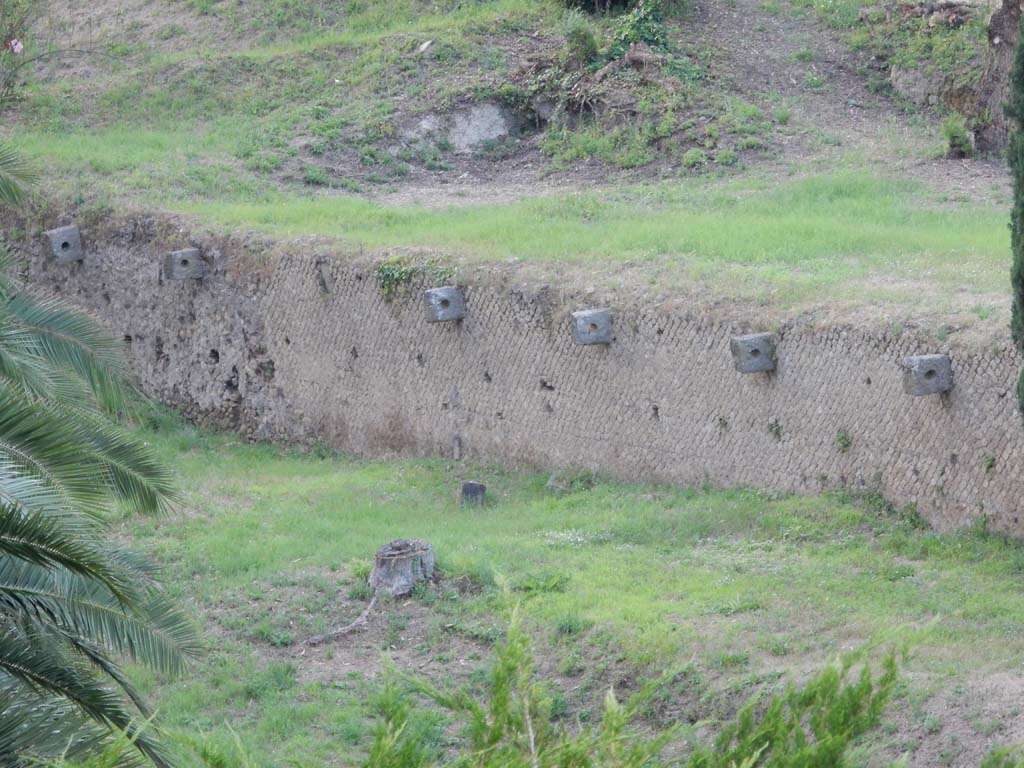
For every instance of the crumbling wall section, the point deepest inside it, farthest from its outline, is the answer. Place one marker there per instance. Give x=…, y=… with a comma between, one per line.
x=296, y=341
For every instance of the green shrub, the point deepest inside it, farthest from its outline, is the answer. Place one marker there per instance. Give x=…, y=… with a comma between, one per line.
x=726, y=157
x=518, y=724
x=580, y=43
x=1006, y=757
x=695, y=157
x=315, y=176
x=643, y=24
x=958, y=138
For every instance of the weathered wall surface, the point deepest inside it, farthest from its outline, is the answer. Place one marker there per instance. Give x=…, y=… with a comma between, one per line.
x=293, y=341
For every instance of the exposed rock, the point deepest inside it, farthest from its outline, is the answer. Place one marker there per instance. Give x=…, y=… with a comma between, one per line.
x=478, y=124
x=466, y=129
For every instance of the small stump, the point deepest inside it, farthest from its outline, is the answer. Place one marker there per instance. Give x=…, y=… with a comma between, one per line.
x=400, y=565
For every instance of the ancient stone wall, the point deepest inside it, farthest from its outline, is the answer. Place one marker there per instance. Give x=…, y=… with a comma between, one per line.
x=296, y=341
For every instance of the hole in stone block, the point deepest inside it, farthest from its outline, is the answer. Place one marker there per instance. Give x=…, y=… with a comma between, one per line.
x=930, y=374
x=445, y=303
x=592, y=327
x=65, y=246
x=755, y=352
x=214, y=356
x=184, y=262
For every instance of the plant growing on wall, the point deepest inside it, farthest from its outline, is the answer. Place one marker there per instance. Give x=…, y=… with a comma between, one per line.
x=1015, y=111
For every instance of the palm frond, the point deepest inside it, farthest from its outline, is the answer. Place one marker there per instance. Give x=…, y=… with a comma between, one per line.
x=40, y=539
x=72, y=605
x=15, y=174
x=46, y=667
x=148, y=631
x=72, y=340
x=84, y=457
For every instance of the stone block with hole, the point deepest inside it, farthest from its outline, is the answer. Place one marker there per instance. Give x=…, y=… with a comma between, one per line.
x=753, y=352
x=472, y=493
x=927, y=374
x=592, y=326
x=444, y=304
x=65, y=244
x=186, y=264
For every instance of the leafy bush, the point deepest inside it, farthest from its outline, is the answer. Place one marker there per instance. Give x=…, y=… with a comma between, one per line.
x=1007, y=757
x=726, y=157
x=694, y=158
x=958, y=138
x=314, y=175
x=580, y=43
x=644, y=24
x=516, y=727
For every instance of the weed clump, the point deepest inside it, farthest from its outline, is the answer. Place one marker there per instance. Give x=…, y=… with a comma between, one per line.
x=395, y=274
x=581, y=48
x=958, y=137
x=695, y=158
x=519, y=724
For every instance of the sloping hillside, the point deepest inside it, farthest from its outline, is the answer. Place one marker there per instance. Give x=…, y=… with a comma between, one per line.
x=767, y=129
x=224, y=97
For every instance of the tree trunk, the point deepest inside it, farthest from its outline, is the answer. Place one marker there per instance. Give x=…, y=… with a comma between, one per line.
x=398, y=566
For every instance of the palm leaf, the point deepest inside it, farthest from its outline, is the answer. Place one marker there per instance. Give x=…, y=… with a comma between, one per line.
x=47, y=667
x=15, y=174
x=150, y=631
x=73, y=341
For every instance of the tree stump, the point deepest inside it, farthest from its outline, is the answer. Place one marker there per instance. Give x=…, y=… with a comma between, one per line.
x=398, y=566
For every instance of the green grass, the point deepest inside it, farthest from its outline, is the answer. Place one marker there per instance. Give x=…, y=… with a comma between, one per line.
x=848, y=237
x=802, y=241
x=742, y=584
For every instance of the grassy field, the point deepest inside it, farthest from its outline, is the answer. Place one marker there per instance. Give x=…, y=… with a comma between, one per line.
x=850, y=236
x=617, y=583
